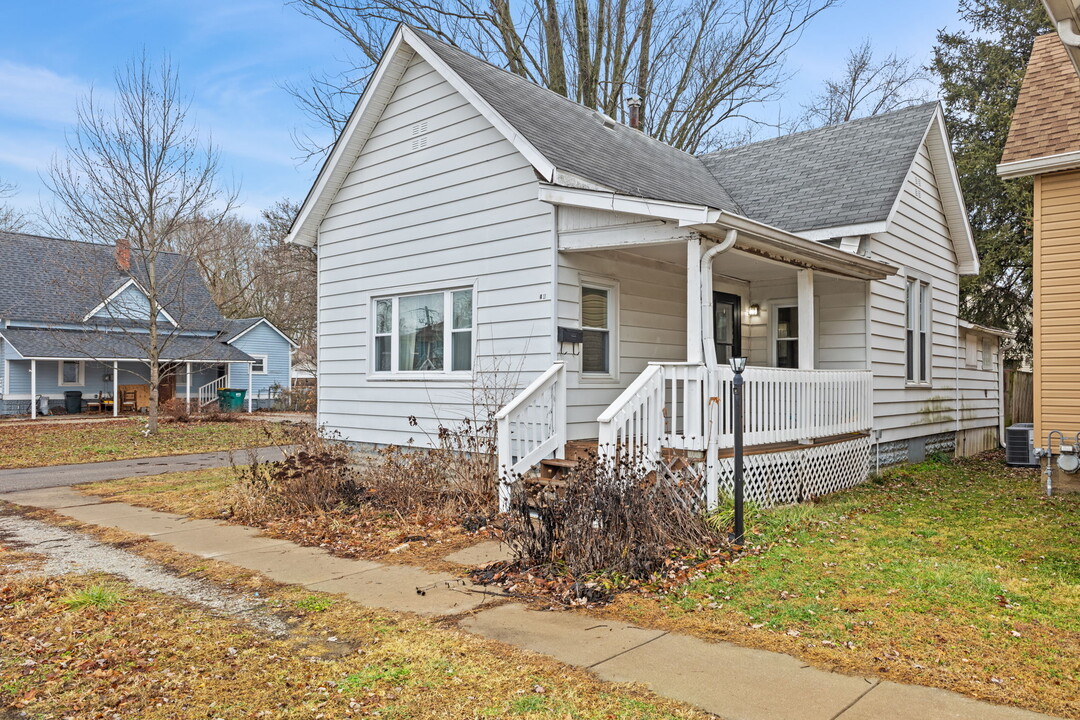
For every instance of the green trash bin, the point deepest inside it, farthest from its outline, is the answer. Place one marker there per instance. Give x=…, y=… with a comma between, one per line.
x=230, y=400
x=73, y=401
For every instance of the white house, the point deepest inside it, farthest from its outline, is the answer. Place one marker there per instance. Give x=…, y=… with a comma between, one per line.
x=471, y=224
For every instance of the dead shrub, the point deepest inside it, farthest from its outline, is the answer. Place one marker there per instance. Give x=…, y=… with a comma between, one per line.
x=317, y=474
x=617, y=520
x=456, y=477
x=176, y=410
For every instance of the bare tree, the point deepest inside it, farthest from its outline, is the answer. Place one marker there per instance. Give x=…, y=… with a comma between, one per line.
x=694, y=63
x=867, y=87
x=11, y=219
x=136, y=170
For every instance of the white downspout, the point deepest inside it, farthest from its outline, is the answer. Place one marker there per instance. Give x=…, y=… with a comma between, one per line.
x=707, y=330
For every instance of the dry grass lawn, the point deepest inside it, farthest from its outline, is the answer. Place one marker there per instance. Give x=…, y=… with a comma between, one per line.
x=27, y=445
x=83, y=647
x=960, y=575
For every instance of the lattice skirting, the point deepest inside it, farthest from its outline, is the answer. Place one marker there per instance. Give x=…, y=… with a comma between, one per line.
x=795, y=475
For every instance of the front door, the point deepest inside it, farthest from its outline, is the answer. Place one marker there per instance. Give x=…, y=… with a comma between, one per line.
x=167, y=385
x=727, y=326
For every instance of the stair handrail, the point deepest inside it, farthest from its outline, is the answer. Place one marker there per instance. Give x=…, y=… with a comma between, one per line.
x=543, y=432
x=644, y=397
x=208, y=392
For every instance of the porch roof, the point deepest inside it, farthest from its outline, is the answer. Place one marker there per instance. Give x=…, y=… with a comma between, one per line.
x=47, y=344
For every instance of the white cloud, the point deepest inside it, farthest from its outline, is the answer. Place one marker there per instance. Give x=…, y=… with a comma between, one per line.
x=37, y=93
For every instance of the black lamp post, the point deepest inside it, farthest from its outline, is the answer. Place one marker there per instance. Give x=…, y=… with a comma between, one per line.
x=738, y=364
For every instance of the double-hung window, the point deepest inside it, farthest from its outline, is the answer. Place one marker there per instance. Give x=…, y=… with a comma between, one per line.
x=787, y=336
x=917, y=340
x=72, y=373
x=596, y=325
x=429, y=332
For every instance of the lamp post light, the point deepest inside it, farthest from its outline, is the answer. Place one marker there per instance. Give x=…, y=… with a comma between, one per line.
x=738, y=364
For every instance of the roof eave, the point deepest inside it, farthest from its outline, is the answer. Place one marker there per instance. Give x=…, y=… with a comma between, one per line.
x=1039, y=165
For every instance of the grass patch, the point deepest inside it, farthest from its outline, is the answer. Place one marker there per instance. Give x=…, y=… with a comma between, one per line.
x=314, y=603
x=28, y=445
x=159, y=658
x=98, y=597
x=961, y=575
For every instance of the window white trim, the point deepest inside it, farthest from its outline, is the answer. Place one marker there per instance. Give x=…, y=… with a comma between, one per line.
x=918, y=331
x=611, y=287
x=394, y=373
x=265, y=364
x=60, y=373
x=774, y=337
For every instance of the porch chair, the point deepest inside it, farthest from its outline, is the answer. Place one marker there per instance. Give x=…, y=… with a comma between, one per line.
x=128, y=399
x=93, y=403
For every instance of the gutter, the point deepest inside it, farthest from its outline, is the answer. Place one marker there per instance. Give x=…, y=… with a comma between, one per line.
x=706, y=287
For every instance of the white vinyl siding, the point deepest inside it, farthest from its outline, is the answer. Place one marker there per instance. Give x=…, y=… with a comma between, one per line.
x=919, y=241
x=461, y=211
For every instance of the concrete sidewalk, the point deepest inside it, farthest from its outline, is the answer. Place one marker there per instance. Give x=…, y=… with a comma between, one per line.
x=730, y=681
x=62, y=475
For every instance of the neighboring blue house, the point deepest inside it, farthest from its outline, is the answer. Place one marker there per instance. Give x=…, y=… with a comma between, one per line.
x=74, y=317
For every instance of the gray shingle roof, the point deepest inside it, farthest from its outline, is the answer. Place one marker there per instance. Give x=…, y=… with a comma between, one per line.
x=61, y=281
x=575, y=139
x=235, y=326
x=101, y=345
x=833, y=176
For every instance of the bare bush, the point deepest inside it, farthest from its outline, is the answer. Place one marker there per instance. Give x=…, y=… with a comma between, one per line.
x=616, y=519
x=455, y=477
x=317, y=474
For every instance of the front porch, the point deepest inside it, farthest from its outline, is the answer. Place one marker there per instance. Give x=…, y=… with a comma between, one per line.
x=685, y=306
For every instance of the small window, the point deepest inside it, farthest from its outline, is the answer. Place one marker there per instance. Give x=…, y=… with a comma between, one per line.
x=987, y=356
x=971, y=350
x=71, y=373
x=596, y=330
x=787, y=337
x=917, y=334
x=411, y=334
x=259, y=366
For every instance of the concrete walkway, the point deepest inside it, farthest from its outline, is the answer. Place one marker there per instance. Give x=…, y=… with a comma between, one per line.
x=730, y=681
x=64, y=475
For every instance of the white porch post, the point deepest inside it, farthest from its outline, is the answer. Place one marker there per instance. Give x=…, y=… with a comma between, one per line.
x=694, y=351
x=187, y=386
x=33, y=389
x=806, y=352
x=115, y=388
x=806, y=320
x=250, y=383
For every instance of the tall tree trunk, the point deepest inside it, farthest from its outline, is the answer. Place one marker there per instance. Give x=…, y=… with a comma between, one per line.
x=584, y=60
x=648, y=12
x=553, y=45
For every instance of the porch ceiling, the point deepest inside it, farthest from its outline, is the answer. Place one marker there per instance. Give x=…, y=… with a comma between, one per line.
x=734, y=263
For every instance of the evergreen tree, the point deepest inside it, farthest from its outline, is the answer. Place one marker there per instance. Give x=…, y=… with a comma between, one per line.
x=980, y=70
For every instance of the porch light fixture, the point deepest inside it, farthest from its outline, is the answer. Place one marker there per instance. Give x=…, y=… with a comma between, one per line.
x=753, y=310
x=738, y=364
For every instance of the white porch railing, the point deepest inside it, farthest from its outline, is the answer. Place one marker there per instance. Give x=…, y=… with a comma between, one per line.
x=531, y=428
x=684, y=406
x=784, y=405
x=208, y=392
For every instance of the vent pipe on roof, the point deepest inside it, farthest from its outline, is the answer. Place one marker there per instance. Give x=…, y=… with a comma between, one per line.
x=1067, y=32
x=634, y=103
x=123, y=254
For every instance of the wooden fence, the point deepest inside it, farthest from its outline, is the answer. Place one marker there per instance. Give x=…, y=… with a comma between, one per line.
x=1019, y=397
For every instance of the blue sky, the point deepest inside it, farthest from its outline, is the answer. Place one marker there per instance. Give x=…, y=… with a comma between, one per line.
x=234, y=56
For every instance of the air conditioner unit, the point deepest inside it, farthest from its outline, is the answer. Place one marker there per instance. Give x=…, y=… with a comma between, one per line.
x=1020, y=445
